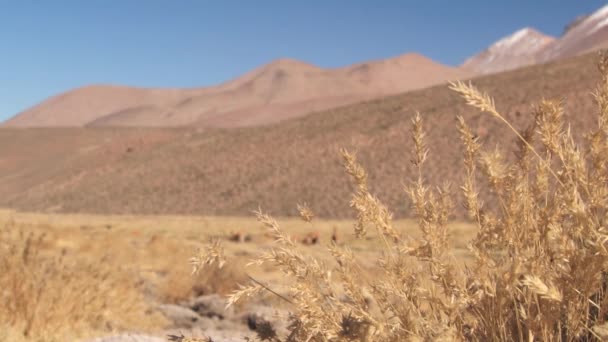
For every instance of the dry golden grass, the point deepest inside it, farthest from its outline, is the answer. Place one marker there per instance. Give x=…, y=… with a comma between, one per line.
x=147, y=256
x=540, y=257
x=69, y=277
x=180, y=285
x=57, y=296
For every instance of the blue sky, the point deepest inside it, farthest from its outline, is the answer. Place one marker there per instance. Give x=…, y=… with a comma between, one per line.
x=50, y=46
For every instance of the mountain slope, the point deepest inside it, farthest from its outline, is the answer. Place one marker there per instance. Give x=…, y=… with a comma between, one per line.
x=516, y=50
x=283, y=89
x=528, y=46
x=590, y=33
x=82, y=105
x=231, y=172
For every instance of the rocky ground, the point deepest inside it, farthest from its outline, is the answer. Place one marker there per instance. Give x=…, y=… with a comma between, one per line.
x=206, y=316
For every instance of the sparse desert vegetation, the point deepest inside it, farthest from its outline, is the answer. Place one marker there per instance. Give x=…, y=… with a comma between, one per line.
x=203, y=172
x=200, y=172
x=539, y=256
x=530, y=265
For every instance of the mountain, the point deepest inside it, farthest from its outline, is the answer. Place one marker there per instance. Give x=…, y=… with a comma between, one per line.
x=207, y=171
x=83, y=105
x=590, y=33
x=283, y=89
x=572, y=24
x=528, y=46
x=516, y=50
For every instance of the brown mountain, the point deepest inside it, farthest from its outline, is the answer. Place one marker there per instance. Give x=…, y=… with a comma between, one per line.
x=230, y=172
x=280, y=90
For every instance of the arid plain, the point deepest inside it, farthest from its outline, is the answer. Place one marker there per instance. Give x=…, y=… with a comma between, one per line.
x=113, y=195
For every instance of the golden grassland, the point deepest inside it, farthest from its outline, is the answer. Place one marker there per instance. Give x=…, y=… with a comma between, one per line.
x=119, y=267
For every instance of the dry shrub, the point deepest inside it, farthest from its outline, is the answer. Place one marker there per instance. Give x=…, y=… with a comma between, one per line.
x=180, y=285
x=48, y=295
x=540, y=256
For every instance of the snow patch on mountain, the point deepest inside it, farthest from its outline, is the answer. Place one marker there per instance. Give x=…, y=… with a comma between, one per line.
x=586, y=35
x=528, y=46
x=510, y=52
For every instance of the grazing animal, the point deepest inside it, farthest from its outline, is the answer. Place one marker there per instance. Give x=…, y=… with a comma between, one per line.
x=311, y=238
x=239, y=237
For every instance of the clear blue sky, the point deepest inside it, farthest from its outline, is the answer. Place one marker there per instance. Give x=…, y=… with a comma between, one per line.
x=50, y=46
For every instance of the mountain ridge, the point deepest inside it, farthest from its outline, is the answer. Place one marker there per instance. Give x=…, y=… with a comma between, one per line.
x=288, y=88
x=282, y=89
x=207, y=171
x=527, y=46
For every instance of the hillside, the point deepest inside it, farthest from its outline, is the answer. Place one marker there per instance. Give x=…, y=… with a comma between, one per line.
x=231, y=172
x=277, y=91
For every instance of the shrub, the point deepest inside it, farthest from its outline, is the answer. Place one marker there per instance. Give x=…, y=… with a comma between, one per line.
x=180, y=287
